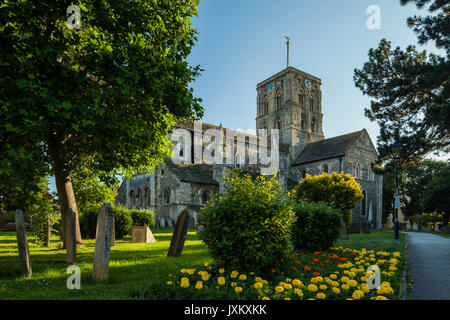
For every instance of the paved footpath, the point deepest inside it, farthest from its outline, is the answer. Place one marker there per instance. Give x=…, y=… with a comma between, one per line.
x=429, y=261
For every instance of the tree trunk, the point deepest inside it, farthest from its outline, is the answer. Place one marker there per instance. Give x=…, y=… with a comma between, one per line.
x=66, y=195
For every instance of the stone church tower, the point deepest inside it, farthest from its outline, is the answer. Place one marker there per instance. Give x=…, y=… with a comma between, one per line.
x=291, y=101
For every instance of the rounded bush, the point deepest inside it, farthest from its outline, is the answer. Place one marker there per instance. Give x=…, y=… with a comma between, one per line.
x=316, y=226
x=88, y=221
x=142, y=217
x=248, y=226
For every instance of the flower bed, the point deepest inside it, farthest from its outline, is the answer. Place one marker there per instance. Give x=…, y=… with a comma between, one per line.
x=338, y=273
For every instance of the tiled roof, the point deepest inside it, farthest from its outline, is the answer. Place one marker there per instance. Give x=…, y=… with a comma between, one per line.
x=328, y=148
x=200, y=173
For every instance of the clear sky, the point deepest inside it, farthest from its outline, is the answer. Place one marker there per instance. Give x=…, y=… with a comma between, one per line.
x=241, y=43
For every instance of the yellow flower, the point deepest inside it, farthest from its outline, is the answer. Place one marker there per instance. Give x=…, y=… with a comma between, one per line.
x=221, y=270
x=345, y=286
x=206, y=264
x=296, y=283
x=184, y=284
x=345, y=279
x=221, y=281
x=312, y=288
x=336, y=290
x=364, y=279
x=199, y=285
x=258, y=285
x=184, y=279
x=298, y=292
x=323, y=287
x=233, y=284
x=234, y=274
x=358, y=294
x=335, y=284
x=333, y=276
x=265, y=298
x=352, y=283
x=190, y=271
x=279, y=289
x=238, y=289
x=258, y=279
x=287, y=286
x=169, y=283
x=183, y=270
x=321, y=295
x=381, y=298
x=206, y=276
x=288, y=280
x=242, y=277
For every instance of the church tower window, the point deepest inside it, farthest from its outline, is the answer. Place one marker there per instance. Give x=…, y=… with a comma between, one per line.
x=313, y=125
x=147, y=197
x=265, y=107
x=278, y=123
x=301, y=99
x=132, y=199
x=278, y=100
x=311, y=104
x=167, y=196
x=302, y=122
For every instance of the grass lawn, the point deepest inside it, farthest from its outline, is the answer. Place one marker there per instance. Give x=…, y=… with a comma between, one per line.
x=132, y=266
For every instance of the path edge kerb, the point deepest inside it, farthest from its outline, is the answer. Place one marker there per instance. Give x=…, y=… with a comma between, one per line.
x=404, y=295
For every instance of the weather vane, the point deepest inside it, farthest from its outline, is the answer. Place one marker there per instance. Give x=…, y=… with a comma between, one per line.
x=288, y=42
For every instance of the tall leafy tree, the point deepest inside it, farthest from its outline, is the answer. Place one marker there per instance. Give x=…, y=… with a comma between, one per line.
x=410, y=89
x=109, y=90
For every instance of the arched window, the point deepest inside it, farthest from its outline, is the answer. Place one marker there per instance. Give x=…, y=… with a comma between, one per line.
x=301, y=99
x=278, y=123
x=325, y=168
x=139, y=196
x=132, y=199
x=264, y=125
x=265, y=107
x=278, y=100
x=302, y=122
x=167, y=196
x=147, y=197
x=358, y=171
x=303, y=174
x=204, y=196
x=311, y=104
x=313, y=125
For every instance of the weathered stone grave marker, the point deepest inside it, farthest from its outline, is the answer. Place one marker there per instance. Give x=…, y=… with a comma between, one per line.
x=103, y=239
x=71, y=246
x=179, y=235
x=22, y=244
x=142, y=235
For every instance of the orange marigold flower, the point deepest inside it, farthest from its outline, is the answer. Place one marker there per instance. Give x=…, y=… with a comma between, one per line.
x=306, y=268
x=317, y=253
x=294, y=268
x=297, y=262
x=316, y=274
x=273, y=270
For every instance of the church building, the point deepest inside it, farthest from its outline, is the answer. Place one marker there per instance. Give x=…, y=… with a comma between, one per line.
x=290, y=101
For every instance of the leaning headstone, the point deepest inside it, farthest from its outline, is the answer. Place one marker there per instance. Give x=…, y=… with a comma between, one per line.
x=103, y=243
x=179, y=235
x=162, y=223
x=169, y=222
x=22, y=244
x=142, y=235
x=71, y=246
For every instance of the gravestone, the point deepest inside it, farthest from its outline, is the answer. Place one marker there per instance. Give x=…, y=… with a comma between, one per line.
x=169, y=222
x=103, y=239
x=179, y=235
x=71, y=246
x=142, y=235
x=366, y=227
x=162, y=223
x=354, y=228
x=22, y=244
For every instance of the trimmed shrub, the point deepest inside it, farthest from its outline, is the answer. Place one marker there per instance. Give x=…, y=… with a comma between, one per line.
x=142, y=217
x=339, y=190
x=88, y=221
x=248, y=226
x=316, y=226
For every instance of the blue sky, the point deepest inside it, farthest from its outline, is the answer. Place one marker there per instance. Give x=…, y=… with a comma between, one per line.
x=241, y=43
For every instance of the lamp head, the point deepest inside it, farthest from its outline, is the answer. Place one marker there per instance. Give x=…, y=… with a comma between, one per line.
x=396, y=149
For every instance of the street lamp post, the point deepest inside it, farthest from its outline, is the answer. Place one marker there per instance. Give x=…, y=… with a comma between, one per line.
x=396, y=150
x=420, y=214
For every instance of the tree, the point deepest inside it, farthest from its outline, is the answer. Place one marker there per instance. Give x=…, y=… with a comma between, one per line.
x=108, y=91
x=339, y=190
x=93, y=188
x=410, y=90
x=437, y=193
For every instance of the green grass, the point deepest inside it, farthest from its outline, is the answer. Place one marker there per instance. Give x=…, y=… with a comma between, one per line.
x=132, y=266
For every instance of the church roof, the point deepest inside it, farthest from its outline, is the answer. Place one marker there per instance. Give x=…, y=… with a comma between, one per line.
x=199, y=173
x=327, y=148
